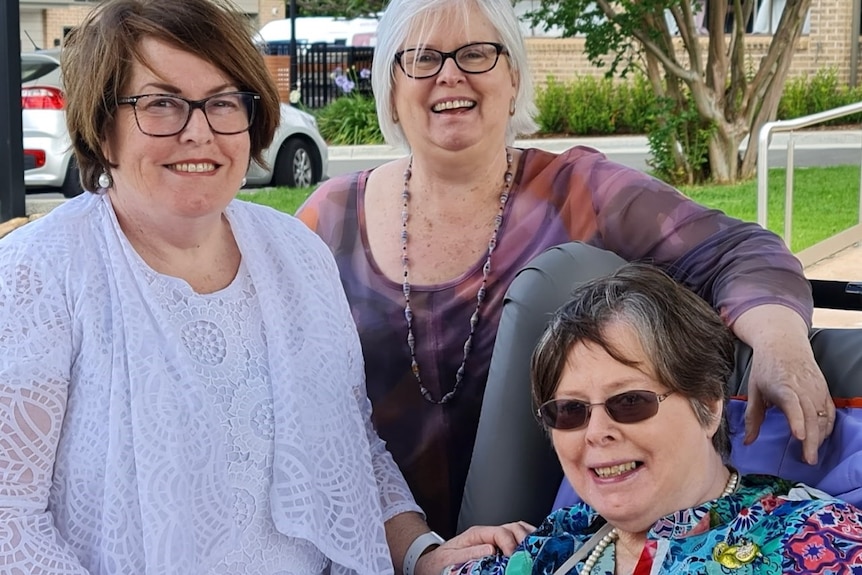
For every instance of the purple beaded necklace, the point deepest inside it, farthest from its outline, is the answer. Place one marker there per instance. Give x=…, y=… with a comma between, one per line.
x=480, y=295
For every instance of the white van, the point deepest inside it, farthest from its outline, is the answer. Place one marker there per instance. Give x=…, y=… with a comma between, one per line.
x=356, y=32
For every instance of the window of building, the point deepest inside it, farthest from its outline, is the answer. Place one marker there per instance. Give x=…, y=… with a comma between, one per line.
x=764, y=18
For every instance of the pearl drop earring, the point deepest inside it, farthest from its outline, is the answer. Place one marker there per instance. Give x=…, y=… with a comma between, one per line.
x=105, y=180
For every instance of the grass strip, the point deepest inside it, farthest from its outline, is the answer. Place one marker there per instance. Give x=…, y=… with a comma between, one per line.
x=825, y=201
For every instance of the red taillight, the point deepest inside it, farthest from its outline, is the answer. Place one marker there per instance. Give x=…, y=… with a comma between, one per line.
x=37, y=161
x=42, y=98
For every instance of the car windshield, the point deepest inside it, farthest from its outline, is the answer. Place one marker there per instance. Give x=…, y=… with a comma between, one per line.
x=34, y=69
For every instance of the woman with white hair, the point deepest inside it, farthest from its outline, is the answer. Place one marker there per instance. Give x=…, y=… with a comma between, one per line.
x=428, y=244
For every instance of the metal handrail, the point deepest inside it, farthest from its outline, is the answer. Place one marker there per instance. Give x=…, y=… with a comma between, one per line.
x=763, y=160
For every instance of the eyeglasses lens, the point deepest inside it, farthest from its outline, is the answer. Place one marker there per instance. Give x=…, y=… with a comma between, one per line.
x=163, y=115
x=628, y=407
x=473, y=58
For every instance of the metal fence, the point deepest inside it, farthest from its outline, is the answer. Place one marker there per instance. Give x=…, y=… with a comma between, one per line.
x=323, y=72
x=830, y=245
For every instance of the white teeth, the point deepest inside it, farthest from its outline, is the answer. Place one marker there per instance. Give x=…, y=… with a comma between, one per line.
x=615, y=470
x=204, y=167
x=453, y=104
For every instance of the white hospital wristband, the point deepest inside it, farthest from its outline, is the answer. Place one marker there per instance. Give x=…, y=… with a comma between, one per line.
x=419, y=546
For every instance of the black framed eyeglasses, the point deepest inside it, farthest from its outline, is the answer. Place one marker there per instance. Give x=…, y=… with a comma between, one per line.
x=475, y=58
x=626, y=407
x=162, y=115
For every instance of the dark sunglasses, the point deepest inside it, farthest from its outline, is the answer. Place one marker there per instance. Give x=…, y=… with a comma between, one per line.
x=626, y=407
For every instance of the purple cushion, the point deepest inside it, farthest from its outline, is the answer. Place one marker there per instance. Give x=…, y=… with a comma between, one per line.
x=776, y=452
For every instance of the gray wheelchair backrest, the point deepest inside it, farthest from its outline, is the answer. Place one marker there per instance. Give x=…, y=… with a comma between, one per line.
x=514, y=473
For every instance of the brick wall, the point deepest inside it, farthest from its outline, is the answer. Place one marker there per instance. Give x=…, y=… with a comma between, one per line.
x=58, y=18
x=827, y=45
x=271, y=10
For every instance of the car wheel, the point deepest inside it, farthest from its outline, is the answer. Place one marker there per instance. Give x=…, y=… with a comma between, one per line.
x=294, y=165
x=72, y=183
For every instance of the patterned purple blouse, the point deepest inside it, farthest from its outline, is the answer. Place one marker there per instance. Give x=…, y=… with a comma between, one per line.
x=555, y=198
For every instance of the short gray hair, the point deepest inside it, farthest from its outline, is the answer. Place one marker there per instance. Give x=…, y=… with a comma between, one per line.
x=402, y=16
x=687, y=346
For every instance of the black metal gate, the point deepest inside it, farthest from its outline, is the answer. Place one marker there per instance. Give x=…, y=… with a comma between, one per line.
x=325, y=72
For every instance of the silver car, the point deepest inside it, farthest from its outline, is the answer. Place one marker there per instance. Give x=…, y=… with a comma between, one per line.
x=298, y=156
x=48, y=161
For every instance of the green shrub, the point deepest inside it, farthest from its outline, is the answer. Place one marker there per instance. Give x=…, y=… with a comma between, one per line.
x=672, y=126
x=594, y=106
x=552, y=103
x=822, y=91
x=591, y=110
x=794, y=99
x=639, y=99
x=349, y=121
x=589, y=105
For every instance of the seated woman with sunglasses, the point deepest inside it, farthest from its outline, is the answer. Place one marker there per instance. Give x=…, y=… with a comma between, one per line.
x=630, y=380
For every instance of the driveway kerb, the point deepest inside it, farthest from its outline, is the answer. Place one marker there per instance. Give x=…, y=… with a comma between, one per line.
x=813, y=140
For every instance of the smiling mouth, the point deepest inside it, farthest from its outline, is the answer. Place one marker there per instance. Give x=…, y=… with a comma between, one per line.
x=615, y=470
x=193, y=168
x=453, y=105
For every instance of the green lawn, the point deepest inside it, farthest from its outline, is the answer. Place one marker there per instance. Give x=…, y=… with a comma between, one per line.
x=283, y=199
x=826, y=201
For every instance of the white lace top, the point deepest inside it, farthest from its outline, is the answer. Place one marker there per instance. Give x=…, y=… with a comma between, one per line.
x=148, y=429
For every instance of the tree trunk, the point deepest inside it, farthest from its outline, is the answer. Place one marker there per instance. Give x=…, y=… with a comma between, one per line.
x=724, y=152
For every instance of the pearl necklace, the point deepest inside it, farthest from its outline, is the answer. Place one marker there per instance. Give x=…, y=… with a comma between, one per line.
x=480, y=295
x=613, y=534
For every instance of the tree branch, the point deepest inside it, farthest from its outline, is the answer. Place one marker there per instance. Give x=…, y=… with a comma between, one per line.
x=717, y=56
x=668, y=61
x=788, y=32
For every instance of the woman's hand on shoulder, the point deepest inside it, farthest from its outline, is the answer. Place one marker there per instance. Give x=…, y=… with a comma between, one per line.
x=784, y=373
x=474, y=543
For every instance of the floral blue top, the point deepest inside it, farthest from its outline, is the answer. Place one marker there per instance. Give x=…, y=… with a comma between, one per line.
x=767, y=526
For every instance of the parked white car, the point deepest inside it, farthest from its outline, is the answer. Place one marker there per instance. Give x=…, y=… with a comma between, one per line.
x=48, y=161
x=298, y=156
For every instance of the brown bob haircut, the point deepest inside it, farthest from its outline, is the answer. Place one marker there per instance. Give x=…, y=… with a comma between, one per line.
x=97, y=57
x=688, y=348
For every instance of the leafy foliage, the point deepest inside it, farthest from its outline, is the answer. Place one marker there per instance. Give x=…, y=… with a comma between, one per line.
x=804, y=96
x=342, y=8
x=670, y=125
x=350, y=120
x=730, y=96
x=594, y=106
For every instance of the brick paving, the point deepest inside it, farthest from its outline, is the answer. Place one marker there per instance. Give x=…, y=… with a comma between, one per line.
x=843, y=265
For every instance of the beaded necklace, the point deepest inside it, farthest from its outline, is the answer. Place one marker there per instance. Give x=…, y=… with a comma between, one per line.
x=480, y=295
x=613, y=534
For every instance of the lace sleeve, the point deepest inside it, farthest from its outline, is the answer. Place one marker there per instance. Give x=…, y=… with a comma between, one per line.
x=34, y=376
x=395, y=495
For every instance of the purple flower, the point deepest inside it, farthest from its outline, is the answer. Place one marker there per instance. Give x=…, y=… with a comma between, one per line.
x=365, y=73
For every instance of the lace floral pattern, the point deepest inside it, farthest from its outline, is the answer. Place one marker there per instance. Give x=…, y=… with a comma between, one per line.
x=147, y=429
